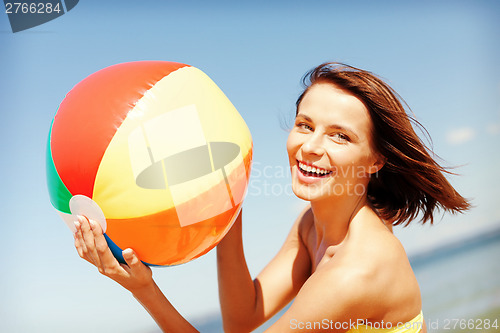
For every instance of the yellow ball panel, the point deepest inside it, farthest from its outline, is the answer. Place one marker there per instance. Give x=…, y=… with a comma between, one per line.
x=163, y=136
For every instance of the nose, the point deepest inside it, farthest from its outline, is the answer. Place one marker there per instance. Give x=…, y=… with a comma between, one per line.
x=314, y=144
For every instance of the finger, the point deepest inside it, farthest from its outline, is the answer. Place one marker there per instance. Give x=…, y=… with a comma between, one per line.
x=108, y=261
x=133, y=261
x=79, y=242
x=88, y=238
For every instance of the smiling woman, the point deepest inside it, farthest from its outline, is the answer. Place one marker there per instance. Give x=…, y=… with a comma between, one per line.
x=355, y=157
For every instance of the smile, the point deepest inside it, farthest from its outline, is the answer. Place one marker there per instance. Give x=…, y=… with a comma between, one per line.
x=312, y=171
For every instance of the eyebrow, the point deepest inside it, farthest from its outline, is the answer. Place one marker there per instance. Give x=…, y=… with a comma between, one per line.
x=330, y=127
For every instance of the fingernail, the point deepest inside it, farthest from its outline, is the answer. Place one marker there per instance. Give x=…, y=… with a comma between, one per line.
x=77, y=224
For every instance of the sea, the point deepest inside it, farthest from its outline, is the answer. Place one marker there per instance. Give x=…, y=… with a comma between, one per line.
x=460, y=285
x=459, y=282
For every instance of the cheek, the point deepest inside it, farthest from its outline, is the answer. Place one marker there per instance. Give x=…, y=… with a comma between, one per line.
x=340, y=155
x=351, y=162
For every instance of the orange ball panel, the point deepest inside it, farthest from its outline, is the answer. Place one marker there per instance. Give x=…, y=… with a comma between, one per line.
x=162, y=241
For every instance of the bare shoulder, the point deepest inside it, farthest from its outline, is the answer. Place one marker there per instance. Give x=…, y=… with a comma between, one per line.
x=368, y=277
x=338, y=293
x=330, y=295
x=379, y=265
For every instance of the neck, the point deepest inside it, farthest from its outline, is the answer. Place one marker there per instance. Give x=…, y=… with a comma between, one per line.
x=333, y=217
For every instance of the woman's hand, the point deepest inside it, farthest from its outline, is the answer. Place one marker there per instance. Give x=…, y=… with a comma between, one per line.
x=135, y=276
x=92, y=246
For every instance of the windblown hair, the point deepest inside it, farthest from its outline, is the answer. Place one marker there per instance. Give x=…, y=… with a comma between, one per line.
x=411, y=181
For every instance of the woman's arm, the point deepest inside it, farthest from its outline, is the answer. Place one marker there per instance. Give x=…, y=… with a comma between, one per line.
x=135, y=276
x=247, y=303
x=331, y=300
x=158, y=306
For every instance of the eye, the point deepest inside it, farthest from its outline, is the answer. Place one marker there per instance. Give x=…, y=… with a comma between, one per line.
x=341, y=137
x=304, y=126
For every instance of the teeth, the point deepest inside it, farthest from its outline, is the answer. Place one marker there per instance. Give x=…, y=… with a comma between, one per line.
x=312, y=169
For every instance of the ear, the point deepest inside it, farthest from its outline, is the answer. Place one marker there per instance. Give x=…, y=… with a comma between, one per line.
x=377, y=165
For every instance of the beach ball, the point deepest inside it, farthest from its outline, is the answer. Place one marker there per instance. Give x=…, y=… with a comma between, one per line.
x=156, y=153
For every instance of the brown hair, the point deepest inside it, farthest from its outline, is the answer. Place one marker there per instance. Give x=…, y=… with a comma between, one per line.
x=411, y=181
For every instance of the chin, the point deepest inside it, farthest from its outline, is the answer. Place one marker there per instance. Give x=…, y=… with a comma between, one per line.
x=307, y=193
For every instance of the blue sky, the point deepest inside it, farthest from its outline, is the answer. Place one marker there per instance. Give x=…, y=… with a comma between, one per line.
x=441, y=56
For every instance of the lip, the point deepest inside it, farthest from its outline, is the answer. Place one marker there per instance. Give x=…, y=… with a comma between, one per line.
x=308, y=178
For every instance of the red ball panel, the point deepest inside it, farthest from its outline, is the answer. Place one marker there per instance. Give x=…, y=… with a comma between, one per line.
x=91, y=113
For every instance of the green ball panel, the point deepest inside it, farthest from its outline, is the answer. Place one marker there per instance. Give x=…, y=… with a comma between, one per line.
x=59, y=194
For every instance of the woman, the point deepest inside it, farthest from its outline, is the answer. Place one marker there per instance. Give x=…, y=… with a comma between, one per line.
x=355, y=157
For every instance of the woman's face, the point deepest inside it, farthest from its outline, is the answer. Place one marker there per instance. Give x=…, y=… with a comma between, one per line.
x=329, y=147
